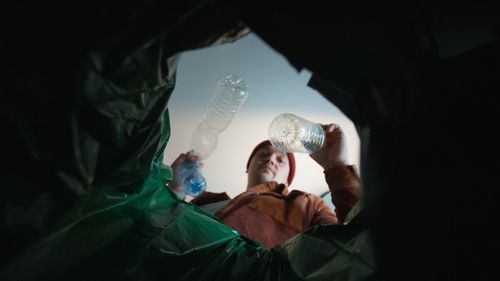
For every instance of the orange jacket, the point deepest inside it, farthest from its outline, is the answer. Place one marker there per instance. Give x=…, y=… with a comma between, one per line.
x=270, y=214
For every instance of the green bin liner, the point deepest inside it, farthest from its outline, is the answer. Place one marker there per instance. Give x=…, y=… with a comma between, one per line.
x=122, y=222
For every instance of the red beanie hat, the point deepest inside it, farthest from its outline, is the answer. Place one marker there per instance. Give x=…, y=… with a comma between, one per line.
x=291, y=160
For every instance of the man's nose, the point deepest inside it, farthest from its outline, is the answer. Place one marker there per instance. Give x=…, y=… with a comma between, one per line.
x=273, y=158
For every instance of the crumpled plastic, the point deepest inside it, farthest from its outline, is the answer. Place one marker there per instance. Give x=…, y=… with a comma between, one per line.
x=124, y=224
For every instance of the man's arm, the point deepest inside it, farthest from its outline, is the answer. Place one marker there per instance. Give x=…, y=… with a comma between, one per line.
x=345, y=187
x=342, y=178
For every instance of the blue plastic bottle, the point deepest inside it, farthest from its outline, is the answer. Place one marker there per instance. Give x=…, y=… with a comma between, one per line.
x=193, y=181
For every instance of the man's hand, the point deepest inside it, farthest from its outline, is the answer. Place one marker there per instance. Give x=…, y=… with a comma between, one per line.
x=176, y=184
x=335, y=152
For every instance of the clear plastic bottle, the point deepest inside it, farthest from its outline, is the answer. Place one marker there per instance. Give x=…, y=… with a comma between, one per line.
x=228, y=96
x=291, y=133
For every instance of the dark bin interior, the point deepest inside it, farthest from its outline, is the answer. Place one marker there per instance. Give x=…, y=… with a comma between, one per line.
x=85, y=121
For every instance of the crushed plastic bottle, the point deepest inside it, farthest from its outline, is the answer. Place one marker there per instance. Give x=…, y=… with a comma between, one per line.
x=193, y=181
x=229, y=94
x=291, y=133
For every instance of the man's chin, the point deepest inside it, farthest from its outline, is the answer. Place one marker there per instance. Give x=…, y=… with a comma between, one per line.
x=266, y=177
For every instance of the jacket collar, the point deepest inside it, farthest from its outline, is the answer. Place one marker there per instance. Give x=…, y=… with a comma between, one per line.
x=270, y=187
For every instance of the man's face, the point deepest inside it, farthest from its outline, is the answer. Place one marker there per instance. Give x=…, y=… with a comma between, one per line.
x=269, y=165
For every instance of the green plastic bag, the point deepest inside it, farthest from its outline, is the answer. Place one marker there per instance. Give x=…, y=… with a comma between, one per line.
x=124, y=224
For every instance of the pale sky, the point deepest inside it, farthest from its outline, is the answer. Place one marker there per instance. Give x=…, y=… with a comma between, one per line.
x=275, y=87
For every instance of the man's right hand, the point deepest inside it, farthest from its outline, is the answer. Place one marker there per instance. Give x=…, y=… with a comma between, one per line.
x=176, y=184
x=334, y=153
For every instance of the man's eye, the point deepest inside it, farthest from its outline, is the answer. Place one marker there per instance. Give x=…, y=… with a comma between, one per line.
x=283, y=160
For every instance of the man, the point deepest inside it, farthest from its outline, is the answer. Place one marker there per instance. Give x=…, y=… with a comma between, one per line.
x=267, y=211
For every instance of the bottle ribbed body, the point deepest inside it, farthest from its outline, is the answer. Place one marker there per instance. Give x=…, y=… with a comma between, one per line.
x=229, y=94
x=291, y=133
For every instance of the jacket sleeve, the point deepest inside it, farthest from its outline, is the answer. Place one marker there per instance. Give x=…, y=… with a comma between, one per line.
x=345, y=186
x=322, y=213
x=209, y=197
